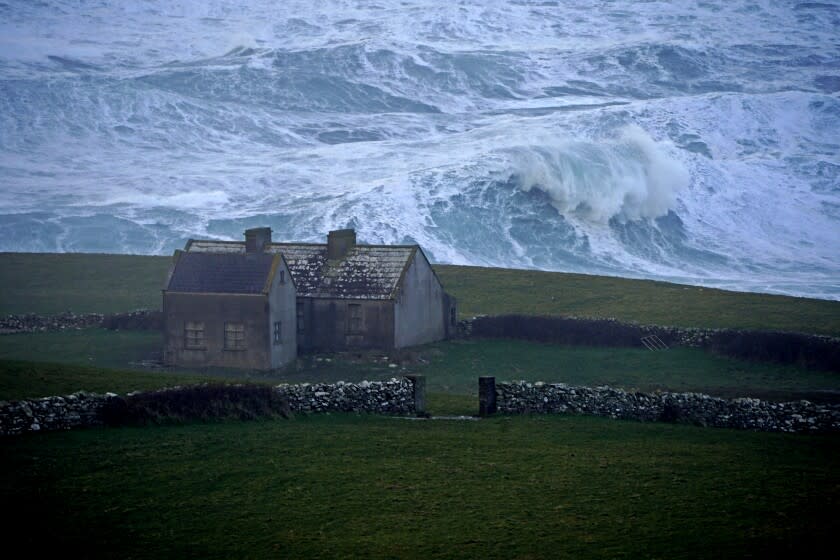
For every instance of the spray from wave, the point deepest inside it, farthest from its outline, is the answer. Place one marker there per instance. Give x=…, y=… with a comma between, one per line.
x=627, y=178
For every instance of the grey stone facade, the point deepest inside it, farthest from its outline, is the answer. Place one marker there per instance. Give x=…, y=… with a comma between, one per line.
x=79, y=410
x=235, y=311
x=354, y=296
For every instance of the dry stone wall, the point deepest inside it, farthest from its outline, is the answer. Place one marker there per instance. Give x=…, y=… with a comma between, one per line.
x=141, y=319
x=380, y=397
x=519, y=397
x=394, y=397
x=78, y=410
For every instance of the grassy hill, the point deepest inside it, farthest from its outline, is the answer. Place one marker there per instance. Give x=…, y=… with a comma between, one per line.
x=496, y=291
x=50, y=283
x=42, y=364
x=53, y=283
x=348, y=486
x=342, y=485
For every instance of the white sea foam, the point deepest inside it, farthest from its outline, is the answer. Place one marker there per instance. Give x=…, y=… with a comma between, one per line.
x=629, y=178
x=694, y=142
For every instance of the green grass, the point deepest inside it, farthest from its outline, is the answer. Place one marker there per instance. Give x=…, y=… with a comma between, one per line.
x=50, y=283
x=93, y=347
x=53, y=283
x=495, y=291
x=334, y=486
x=343, y=486
x=454, y=367
x=451, y=368
x=19, y=380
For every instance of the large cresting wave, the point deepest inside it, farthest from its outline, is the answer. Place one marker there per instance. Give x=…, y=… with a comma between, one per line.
x=628, y=178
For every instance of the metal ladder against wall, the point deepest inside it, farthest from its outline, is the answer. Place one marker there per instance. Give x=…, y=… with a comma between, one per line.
x=653, y=342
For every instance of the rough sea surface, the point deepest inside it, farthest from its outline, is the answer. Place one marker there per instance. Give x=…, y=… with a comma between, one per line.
x=689, y=141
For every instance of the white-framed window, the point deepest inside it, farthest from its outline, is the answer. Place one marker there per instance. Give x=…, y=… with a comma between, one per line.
x=234, y=336
x=194, y=335
x=278, y=332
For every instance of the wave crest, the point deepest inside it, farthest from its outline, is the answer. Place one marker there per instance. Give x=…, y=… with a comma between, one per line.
x=630, y=177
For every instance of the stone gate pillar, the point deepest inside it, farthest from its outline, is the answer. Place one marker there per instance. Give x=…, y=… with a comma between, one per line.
x=486, y=396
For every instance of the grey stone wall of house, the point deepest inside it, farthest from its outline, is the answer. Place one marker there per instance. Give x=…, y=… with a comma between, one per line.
x=419, y=309
x=282, y=301
x=214, y=310
x=335, y=325
x=79, y=410
x=518, y=397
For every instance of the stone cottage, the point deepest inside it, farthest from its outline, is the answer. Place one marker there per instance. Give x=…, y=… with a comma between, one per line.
x=229, y=310
x=354, y=296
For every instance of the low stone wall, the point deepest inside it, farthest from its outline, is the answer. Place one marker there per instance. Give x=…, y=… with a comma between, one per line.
x=79, y=410
x=138, y=320
x=404, y=396
x=141, y=319
x=396, y=396
x=11, y=324
x=518, y=397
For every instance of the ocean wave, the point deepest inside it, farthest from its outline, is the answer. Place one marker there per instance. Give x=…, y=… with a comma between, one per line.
x=695, y=143
x=628, y=178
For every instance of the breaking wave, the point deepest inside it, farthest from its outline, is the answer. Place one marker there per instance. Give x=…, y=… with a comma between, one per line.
x=626, y=179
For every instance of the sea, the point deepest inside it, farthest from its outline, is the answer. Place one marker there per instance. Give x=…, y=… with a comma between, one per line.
x=689, y=141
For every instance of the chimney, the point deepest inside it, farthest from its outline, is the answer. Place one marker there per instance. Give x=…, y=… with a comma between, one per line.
x=339, y=242
x=256, y=239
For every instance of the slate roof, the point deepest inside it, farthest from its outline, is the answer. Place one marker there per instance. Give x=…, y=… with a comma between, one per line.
x=221, y=273
x=366, y=272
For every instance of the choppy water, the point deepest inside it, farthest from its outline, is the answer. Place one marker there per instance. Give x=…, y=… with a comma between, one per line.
x=691, y=141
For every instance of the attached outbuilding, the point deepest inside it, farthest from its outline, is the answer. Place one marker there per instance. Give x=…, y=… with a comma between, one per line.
x=235, y=310
x=355, y=296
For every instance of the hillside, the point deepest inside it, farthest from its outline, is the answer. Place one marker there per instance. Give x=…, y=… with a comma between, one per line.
x=53, y=283
x=450, y=488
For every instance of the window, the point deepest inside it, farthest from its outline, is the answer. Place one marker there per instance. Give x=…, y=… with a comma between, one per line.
x=300, y=324
x=234, y=336
x=194, y=335
x=278, y=333
x=354, y=318
x=453, y=316
x=282, y=276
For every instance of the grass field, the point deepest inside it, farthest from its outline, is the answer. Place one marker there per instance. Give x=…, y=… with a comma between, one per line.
x=19, y=380
x=53, y=283
x=343, y=486
x=111, y=359
x=495, y=291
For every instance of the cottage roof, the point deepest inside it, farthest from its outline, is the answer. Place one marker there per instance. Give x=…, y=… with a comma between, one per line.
x=222, y=273
x=365, y=272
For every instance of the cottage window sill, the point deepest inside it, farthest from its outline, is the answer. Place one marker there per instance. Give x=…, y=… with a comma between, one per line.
x=234, y=349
